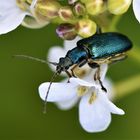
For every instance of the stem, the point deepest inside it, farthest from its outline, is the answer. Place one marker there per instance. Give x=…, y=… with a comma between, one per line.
x=135, y=54
x=114, y=23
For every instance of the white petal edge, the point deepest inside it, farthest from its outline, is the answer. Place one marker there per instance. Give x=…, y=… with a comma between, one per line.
x=11, y=19
x=108, y=104
x=103, y=70
x=70, y=44
x=114, y=109
x=54, y=55
x=136, y=9
x=110, y=89
x=82, y=82
x=58, y=91
x=93, y=117
x=68, y=104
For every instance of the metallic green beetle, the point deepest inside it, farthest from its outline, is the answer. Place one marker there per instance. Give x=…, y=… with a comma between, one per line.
x=100, y=48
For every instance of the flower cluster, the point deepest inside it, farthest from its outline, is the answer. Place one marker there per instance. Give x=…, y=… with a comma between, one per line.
x=76, y=17
x=95, y=107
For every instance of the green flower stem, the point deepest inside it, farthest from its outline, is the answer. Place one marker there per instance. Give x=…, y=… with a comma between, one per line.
x=114, y=22
x=135, y=54
x=127, y=86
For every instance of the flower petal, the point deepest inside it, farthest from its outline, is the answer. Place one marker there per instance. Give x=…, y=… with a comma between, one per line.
x=93, y=117
x=68, y=45
x=108, y=104
x=114, y=109
x=136, y=9
x=10, y=16
x=6, y=4
x=103, y=70
x=110, y=90
x=54, y=54
x=68, y=104
x=82, y=82
x=58, y=91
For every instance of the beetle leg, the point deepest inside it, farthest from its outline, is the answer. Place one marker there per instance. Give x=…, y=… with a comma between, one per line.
x=72, y=71
x=93, y=65
x=69, y=76
x=115, y=59
x=97, y=74
x=97, y=77
x=78, y=65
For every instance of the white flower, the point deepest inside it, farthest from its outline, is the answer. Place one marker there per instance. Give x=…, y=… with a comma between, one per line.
x=11, y=16
x=54, y=54
x=84, y=72
x=94, y=108
x=136, y=9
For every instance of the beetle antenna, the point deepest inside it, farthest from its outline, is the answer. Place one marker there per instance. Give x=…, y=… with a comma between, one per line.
x=47, y=93
x=35, y=59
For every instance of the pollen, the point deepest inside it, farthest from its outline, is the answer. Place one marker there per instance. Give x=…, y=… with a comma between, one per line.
x=80, y=72
x=92, y=98
x=82, y=90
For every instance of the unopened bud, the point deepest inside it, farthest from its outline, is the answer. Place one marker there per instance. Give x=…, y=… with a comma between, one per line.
x=71, y=1
x=66, y=31
x=32, y=23
x=84, y=1
x=95, y=7
x=22, y=4
x=29, y=1
x=41, y=19
x=118, y=7
x=47, y=8
x=79, y=9
x=86, y=27
x=66, y=14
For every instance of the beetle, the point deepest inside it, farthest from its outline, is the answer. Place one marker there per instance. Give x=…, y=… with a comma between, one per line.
x=108, y=47
x=100, y=48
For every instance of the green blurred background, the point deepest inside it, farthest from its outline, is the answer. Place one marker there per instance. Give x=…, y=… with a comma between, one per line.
x=21, y=108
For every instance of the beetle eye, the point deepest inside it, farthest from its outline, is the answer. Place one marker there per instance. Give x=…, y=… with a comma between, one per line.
x=66, y=67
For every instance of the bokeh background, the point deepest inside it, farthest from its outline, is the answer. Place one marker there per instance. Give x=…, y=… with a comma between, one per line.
x=21, y=108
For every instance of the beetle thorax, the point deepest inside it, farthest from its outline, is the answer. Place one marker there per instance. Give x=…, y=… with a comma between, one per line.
x=64, y=64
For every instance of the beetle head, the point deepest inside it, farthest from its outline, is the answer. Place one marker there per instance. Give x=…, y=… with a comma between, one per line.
x=63, y=65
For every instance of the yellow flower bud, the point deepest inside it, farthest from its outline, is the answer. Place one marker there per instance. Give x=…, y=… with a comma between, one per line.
x=79, y=9
x=29, y=1
x=47, y=8
x=71, y=1
x=31, y=22
x=22, y=4
x=65, y=13
x=83, y=1
x=86, y=27
x=118, y=7
x=95, y=7
x=41, y=19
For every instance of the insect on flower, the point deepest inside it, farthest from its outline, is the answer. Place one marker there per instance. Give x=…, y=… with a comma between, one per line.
x=100, y=48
